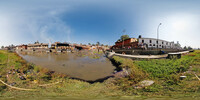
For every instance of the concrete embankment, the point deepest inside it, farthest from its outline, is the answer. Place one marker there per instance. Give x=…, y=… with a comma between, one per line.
x=178, y=54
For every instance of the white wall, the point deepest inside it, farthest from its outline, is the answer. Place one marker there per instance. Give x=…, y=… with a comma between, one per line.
x=153, y=44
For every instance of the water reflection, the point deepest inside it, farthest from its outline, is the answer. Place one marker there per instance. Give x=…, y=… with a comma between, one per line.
x=81, y=67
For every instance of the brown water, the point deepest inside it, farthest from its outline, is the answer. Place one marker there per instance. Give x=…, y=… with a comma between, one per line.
x=84, y=68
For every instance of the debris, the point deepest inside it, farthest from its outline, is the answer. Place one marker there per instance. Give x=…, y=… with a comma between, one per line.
x=17, y=87
x=12, y=84
x=22, y=77
x=9, y=72
x=197, y=76
x=182, y=77
x=18, y=71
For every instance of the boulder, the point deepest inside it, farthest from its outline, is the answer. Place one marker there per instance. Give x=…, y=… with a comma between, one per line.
x=144, y=83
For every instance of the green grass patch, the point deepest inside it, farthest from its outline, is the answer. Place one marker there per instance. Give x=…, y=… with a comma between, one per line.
x=165, y=73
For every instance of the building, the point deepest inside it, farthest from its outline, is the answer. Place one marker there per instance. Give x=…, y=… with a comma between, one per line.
x=21, y=47
x=128, y=43
x=146, y=43
x=157, y=43
x=37, y=45
x=10, y=47
x=58, y=45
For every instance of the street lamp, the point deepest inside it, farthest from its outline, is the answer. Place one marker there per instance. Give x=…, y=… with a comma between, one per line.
x=158, y=34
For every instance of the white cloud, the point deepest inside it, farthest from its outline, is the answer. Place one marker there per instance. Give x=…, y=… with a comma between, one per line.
x=29, y=24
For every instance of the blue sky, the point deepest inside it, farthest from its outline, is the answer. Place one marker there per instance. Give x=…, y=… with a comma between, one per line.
x=89, y=21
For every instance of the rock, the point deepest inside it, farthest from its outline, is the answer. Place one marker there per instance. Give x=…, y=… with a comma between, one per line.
x=121, y=74
x=144, y=83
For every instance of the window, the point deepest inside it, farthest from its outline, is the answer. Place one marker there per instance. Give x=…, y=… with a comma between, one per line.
x=162, y=42
x=154, y=45
x=150, y=44
x=142, y=41
x=157, y=41
x=167, y=43
x=149, y=41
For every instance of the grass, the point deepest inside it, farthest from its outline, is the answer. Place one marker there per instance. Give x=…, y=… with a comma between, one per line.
x=165, y=73
x=35, y=76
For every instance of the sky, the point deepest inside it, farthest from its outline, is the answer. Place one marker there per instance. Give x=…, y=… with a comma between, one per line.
x=92, y=21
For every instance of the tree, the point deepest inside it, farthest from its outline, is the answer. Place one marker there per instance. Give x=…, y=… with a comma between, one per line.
x=2, y=47
x=102, y=45
x=89, y=43
x=185, y=47
x=98, y=43
x=189, y=48
x=124, y=37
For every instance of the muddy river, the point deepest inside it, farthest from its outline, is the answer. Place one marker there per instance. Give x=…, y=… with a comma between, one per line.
x=80, y=67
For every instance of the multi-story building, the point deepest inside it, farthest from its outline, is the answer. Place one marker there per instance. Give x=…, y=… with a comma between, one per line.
x=37, y=45
x=146, y=43
x=58, y=45
x=157, y=43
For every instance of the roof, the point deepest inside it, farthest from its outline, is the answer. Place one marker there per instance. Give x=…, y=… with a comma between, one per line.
x=154, y=39
x=125, y=39
x=43, y=44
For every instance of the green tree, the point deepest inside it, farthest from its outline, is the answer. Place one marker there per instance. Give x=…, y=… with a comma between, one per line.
x=89, y=43
x=185, y=47
x=98, y=43
x=189, y=48
x=124, y=37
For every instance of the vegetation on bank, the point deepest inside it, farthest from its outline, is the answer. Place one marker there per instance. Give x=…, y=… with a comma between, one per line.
x=45, y=83
x=166, y=74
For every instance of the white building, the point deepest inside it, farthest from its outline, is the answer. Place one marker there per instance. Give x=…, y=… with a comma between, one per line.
x=157, y=43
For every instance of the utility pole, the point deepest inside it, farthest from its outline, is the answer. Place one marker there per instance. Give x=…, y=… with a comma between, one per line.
x=123, y=38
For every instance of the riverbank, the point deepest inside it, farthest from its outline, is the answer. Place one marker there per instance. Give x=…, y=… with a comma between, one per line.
x=164, y=72
x=45, y=83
